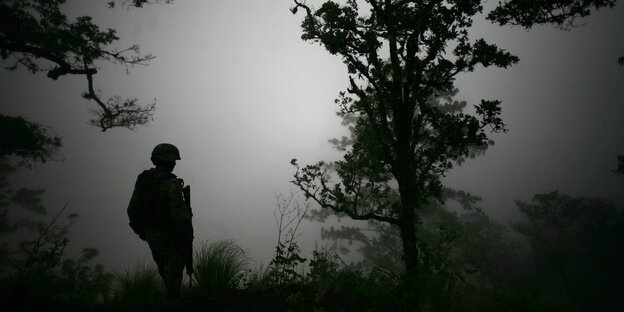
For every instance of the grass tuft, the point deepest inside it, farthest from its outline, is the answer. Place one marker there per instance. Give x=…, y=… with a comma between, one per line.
x=138, y=287
x=219, y=265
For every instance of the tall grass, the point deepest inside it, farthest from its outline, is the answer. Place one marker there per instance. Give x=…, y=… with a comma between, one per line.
x=138, y=288
x=219, y=265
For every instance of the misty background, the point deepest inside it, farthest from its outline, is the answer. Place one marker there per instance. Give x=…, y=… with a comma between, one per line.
x=241, y=94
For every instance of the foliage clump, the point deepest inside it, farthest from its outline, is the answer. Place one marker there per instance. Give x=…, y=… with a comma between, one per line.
x=26, y=140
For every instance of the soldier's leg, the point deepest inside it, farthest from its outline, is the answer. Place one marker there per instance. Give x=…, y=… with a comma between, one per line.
x=172, y=274
x=169, y=258
x=158, y=248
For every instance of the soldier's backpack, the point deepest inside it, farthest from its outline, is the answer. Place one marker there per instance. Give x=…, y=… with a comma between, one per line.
x=146, y=206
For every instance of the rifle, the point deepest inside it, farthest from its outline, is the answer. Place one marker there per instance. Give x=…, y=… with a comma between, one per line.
x=188, y=251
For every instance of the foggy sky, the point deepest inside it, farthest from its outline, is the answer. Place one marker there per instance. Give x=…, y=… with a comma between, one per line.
x=241, y=94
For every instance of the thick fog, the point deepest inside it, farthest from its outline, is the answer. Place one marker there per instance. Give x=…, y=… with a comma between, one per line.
x=241, y=94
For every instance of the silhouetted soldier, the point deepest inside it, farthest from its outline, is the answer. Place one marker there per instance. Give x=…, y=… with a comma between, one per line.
x=159, y=215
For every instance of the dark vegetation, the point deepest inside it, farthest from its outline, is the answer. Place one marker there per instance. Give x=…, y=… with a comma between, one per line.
x=564, y=256
x=423, y=247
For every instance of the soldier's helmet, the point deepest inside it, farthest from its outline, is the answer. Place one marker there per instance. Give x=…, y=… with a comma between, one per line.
x=166, y=152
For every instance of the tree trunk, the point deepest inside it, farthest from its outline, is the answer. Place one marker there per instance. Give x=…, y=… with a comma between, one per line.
x=410, y=248
x=407, y=221
x=410, y=290
x=407, y=193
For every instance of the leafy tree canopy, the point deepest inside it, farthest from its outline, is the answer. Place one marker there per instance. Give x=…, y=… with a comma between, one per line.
x=38, y=36
x=402, y=58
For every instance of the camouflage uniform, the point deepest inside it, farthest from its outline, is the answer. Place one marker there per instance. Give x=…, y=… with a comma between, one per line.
x=159, y=216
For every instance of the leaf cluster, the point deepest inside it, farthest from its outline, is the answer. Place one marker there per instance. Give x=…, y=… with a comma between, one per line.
x=562, y=13
x=135, y=3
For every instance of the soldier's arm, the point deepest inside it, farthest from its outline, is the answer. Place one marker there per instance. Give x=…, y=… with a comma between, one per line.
x=180, y=214
x=134, y=212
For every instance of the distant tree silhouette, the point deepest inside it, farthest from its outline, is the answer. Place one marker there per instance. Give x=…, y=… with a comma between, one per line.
x=36, y=33
x=35, y=270
x=399, y=63
x=577, y=250
x=563, y=13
